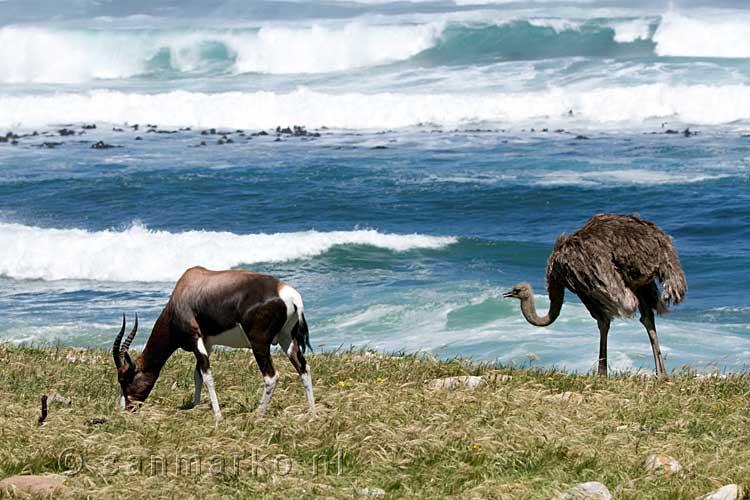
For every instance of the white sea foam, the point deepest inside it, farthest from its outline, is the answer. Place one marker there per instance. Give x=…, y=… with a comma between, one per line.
x=622, y=177
x=141, y=254
x=496, y=330
x=320, y=49
x=32, y=54
x=710, y=35
x=43, y=54
x=632, y=30
x=557, y=24
x=697, y=104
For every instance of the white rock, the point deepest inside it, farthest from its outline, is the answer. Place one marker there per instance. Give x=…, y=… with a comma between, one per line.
x=728, y=492
x=592, y=490
x=450, y=383
x=73, y=358
x=371, y=492
x=56, y=397
x=708, y=376
x=36, y=486
x=661, y=463
x=573, y=397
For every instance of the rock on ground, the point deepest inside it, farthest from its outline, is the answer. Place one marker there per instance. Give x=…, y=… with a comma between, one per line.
x=56, y=397
x=371, y=492
x=450, y=383
x=572, y=397
x=592, y=490
x=728, y=492
x=35, y=485
x=661, y=463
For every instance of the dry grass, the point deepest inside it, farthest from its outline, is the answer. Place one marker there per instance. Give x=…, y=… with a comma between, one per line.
x=378, y=426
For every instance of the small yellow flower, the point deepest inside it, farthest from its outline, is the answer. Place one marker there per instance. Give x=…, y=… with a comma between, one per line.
x=550, y=378
x=341, y=383
x=475, y=447
x=378, y=380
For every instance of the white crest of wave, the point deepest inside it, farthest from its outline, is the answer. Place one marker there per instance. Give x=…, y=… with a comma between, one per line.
x=696, y=104
x=711, y=35
x=321, y=49
x=622, y=177
x=32, y=54
x=557, y=24
x=48, y=55
x=141, y=254
x=632, y=30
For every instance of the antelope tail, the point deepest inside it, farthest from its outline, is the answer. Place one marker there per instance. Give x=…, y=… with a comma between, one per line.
x=301, y=333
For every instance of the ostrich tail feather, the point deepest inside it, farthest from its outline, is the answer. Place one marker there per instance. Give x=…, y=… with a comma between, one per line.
x=672, y=279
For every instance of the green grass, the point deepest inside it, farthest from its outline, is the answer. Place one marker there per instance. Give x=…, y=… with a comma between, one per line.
x=378, y=426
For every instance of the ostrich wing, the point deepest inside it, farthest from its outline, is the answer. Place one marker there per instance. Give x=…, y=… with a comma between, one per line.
x=590, y=273
x=613, y=257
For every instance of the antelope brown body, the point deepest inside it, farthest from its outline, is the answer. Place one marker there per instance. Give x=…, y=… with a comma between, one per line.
x=232, y=308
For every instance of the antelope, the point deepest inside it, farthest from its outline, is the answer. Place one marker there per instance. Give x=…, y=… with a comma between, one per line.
x=238, y=309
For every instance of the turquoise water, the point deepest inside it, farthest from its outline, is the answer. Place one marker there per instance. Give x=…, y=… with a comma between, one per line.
x=456, y=142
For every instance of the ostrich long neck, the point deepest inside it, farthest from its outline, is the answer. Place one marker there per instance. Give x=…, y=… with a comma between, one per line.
x=528, y=308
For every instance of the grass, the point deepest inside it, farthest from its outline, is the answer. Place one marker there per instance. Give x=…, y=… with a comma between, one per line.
x=378, y=426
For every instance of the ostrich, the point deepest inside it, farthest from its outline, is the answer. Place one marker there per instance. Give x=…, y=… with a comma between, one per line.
x=612, y=264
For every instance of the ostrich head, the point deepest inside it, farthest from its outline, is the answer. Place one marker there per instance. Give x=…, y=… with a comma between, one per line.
x=521, y=291
x=133, y=384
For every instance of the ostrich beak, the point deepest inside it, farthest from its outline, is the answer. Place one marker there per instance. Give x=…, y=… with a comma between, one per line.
x=509, y=295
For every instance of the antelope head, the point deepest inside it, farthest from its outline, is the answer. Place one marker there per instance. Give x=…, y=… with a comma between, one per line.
x=135, y=385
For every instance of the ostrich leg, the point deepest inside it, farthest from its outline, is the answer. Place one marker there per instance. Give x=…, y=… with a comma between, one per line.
x=647, y=318
x=603, y=331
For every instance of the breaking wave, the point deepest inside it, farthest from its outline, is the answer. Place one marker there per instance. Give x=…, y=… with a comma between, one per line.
x=708, y=36
x=696, y=104
x=48, y=54
x=141, y=254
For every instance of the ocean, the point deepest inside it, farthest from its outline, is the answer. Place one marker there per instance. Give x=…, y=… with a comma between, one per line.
x=442, y=146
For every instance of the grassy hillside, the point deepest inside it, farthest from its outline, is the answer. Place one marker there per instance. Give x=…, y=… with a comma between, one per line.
x=378, y=427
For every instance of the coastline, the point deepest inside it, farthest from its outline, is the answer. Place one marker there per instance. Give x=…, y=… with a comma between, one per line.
x=382, y=428
x=414, y=170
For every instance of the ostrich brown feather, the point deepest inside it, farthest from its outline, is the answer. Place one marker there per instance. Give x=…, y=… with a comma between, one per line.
x=613, y=264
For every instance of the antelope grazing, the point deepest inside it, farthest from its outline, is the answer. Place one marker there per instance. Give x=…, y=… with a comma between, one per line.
x=230, y=308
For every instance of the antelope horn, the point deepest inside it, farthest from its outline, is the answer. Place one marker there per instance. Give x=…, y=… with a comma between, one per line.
x=131, y=336
x=116, y=346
